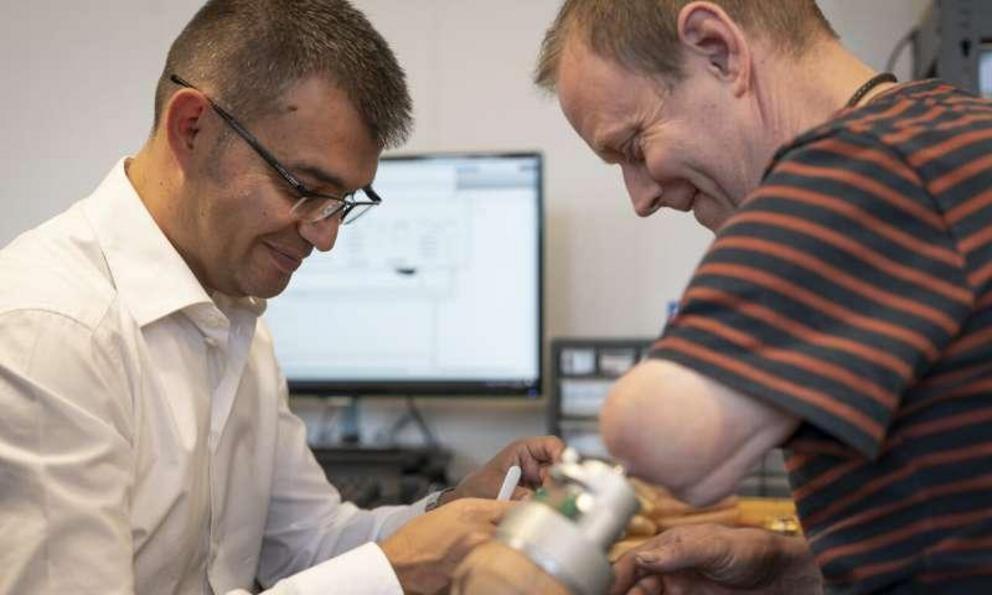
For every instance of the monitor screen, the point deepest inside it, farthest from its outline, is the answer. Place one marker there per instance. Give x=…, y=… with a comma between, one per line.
x=985, y=71
x=435, y=291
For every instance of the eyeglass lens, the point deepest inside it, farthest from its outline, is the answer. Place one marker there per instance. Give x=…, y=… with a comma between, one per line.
x=316, y=209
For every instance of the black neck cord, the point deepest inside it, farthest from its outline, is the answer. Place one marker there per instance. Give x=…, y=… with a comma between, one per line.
x=878, y=79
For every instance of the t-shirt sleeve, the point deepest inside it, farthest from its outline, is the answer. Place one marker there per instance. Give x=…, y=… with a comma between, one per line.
x=829, y=293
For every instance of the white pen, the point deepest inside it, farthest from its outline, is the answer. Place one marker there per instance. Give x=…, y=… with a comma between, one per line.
x=509, y=483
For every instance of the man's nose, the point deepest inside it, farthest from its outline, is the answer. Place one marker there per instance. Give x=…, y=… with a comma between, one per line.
x=321, y=234
x=645, y=194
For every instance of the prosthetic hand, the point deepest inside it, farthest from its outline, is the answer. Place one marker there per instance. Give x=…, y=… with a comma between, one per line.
x=555, y=543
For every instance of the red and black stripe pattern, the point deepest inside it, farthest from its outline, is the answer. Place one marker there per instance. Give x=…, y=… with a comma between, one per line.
x=854, y=290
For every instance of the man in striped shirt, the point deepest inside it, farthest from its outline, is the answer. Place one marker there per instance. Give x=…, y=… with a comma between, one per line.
x=844, y=310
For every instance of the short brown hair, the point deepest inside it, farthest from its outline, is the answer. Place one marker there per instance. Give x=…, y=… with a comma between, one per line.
x=249, y=52
x=642, y=35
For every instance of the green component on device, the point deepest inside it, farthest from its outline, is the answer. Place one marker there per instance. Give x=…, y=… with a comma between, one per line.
x=569, y=508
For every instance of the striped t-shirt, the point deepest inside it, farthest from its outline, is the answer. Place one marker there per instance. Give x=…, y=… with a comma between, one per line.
x=853, y=289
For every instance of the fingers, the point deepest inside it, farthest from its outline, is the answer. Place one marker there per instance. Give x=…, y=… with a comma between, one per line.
x=629, y=578
x=482, y=510
x=480, y=517
x=471, y=540
x=534, y=455
x=687, y=558
x=545, y=449
x=554, y=447
x=626, y=573
x=649, y=585
x=495, y=515
x=688, y=547
x=522, y=494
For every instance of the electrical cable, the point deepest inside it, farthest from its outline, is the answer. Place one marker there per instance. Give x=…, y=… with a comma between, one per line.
x=412, y=414
x=902, y=44
x=327, y=416
x=421, y=422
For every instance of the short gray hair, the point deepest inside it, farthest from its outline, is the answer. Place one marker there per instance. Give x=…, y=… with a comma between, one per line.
x=250, y=52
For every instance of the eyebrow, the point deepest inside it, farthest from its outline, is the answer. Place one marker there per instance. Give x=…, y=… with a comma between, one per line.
x=324, y=178
x=607, y=152
x=610, y=141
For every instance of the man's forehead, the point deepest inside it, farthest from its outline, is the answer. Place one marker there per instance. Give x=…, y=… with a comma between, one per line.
x=599, y=97
x=319, y=125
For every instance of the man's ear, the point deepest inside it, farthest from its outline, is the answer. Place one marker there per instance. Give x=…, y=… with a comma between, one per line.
x=182, y=124
x=708, y=33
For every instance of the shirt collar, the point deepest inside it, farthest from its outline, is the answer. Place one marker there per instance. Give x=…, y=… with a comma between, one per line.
x=151, y=277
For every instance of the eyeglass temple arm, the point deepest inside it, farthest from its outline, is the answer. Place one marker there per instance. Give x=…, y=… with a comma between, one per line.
x=249, y=137
x=376, y=199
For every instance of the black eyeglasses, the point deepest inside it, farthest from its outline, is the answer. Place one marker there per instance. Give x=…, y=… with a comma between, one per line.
x=312, y=206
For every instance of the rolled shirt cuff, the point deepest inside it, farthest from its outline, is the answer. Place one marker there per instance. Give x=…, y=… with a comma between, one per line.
x=364, y=570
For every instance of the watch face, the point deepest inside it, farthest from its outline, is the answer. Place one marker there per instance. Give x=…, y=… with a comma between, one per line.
x=434, y=499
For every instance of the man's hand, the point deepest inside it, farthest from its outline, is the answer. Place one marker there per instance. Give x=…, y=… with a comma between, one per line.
x=717, y=560
x=425, y=552
x=533, y=455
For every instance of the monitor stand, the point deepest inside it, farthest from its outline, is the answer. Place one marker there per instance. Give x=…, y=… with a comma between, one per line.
x=413, y=415
x=351, y=423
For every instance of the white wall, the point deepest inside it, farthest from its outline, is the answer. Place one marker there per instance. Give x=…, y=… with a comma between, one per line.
x=80, y=77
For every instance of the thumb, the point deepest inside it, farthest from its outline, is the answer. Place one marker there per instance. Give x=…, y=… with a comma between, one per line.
x=491, y=511
x=681, y=552
x=659, y=561
x=521, y=493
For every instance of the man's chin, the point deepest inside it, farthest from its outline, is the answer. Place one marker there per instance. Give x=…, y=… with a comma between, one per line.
x=266, y=288
x=705, y=219
x=271, y=291
x=710, y=218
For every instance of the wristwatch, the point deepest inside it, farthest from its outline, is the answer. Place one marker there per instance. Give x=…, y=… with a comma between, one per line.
x=434, y=500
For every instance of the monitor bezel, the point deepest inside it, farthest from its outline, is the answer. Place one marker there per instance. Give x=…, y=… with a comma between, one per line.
x=469, y=388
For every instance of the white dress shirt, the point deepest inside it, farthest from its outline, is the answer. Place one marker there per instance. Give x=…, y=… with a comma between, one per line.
x=146, y=444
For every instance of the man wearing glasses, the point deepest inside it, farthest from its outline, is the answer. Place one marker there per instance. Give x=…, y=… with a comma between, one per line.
x=146, y=444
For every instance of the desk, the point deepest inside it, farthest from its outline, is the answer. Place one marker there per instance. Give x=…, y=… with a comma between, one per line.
x=378, y=476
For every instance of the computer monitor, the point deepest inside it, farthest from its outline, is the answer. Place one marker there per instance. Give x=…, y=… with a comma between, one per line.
x=985, y=71
x=437, y=291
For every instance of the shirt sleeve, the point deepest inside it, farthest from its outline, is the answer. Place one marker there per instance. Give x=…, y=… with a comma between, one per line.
x=361, y=571
x=308, y=523
x=829, y=293
x=65, y=458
